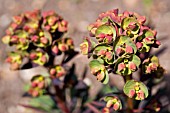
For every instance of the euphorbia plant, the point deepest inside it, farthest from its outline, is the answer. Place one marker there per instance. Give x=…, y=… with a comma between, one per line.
x=38, y=40
x=123, y=44
x=36, y=37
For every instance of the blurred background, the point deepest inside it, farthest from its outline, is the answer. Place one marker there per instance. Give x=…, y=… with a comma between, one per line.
x=79, y=14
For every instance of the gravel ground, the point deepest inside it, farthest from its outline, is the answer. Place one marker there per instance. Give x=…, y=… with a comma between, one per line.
x=79, y=13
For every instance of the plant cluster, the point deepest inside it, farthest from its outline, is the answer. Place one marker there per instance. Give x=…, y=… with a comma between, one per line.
x=38, y=39
x=122, y=45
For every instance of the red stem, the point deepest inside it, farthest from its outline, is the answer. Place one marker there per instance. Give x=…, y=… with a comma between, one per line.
x=94, y=109
x=60, y=100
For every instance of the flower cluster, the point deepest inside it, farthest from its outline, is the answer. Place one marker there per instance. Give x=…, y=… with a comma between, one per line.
x=36, y=36
x=151, y=66
x=38, y=41
x=39, y=57
x=127, y=66
x=52, y=22
x=15, y=59
x=112, y=102
x=57, y=71
x=120, y=40
x=135, y=89
x=37, y=86
x=63, y=45
x=99, y=70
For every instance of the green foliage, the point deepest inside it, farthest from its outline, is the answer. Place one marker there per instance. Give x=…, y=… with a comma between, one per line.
x=44, y=102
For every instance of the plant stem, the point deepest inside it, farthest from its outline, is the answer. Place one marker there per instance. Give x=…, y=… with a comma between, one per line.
x=130, y=104
x=129, y=100
x=127, y=77
x=60, y=100
x=94, y=109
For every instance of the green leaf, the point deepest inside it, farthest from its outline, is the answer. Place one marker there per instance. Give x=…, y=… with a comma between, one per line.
x=26, y=87
x=100, y=60
x=102, y=47
x=106, y=79
x=128, y=86
x=136, y=60
x=144, y=89
x=105, y=19
x=21, y=34
x=155, y=60
x=106, y=89
x=148, y=33
x=87, y=46
x=43, y=102
x=96, y=66
x=132, y=44
x=124, y=40
x=126, y=21
x=106, y=29
x=107, y=98
x=121, y=40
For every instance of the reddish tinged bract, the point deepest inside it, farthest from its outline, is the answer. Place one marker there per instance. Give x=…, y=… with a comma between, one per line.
x=131, y=93
x=121, y=66
x=129, y=49
x=132, y=66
